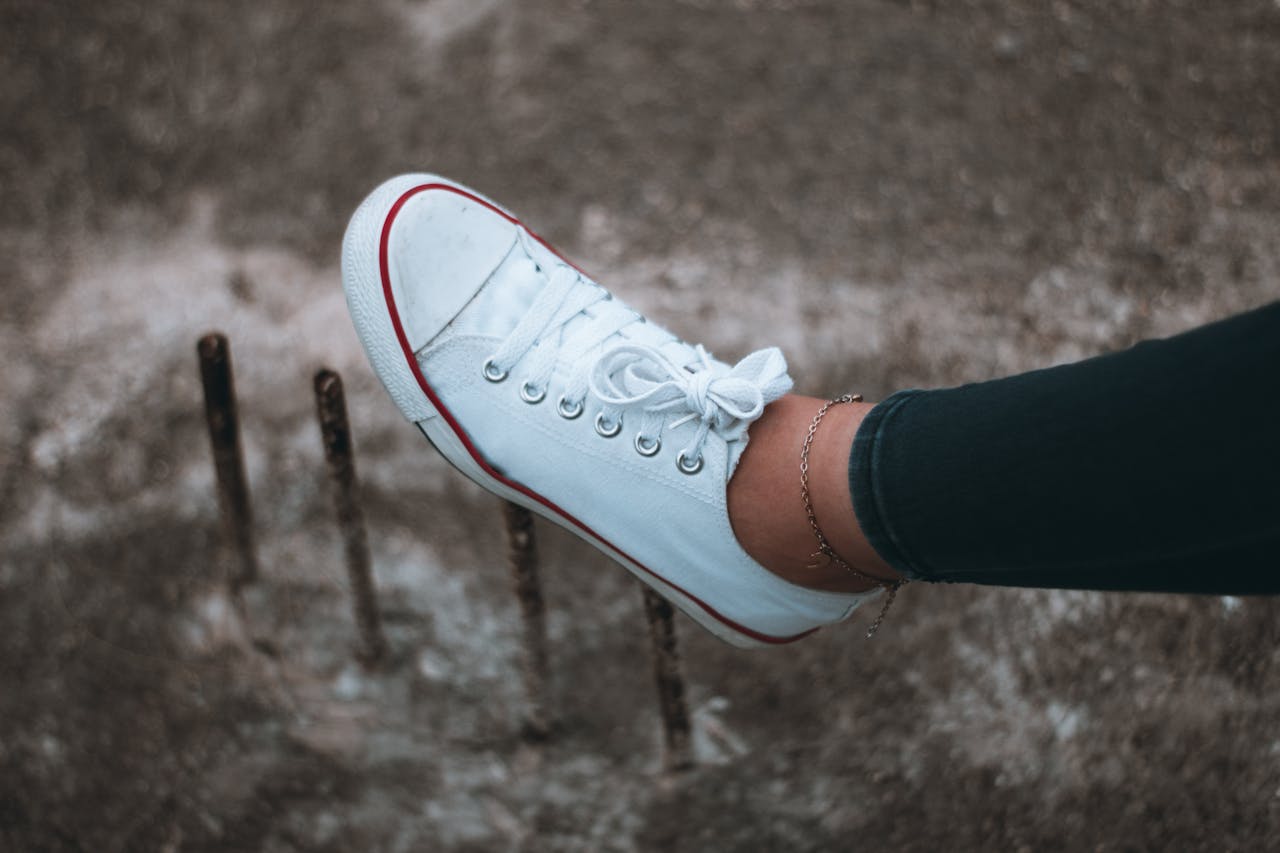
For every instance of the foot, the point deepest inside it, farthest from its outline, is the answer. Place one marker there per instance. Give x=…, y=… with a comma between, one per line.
x=777, y=533
x=540, y=386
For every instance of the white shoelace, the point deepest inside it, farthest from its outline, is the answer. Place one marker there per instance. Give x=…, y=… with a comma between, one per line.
x=577, y=323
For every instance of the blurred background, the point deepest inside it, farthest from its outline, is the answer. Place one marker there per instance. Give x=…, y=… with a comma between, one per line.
x=897, y=193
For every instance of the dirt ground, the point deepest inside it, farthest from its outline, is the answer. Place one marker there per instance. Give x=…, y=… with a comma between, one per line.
x=897, y=193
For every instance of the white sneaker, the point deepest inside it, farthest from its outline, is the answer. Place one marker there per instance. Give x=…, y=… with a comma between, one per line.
x=541, y=387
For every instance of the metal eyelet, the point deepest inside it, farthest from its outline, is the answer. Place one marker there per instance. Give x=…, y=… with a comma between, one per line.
x=568, y=410
x=610, y=431
x=532, y=395
x=687, y=468
x=491, y=371
x=647, y=447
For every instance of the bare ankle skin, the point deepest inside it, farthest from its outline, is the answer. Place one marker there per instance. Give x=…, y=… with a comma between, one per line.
x=765, y=507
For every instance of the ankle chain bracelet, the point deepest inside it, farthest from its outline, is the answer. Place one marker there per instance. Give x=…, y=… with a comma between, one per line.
x=824, y=547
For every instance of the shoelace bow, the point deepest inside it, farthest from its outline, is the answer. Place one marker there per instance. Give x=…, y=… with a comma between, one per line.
x=574, y=321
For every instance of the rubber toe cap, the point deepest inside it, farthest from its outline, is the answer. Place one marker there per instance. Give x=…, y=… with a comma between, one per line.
x=441, y=250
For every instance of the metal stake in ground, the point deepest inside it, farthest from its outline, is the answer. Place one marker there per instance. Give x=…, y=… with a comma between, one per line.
x=666, y=672
x=522, y=552
x=223, y=418
x=331, y=409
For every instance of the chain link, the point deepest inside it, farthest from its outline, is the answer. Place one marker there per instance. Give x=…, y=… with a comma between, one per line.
x=824, y=547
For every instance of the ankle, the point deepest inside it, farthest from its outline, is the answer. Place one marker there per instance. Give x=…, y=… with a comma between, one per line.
x=765, y=504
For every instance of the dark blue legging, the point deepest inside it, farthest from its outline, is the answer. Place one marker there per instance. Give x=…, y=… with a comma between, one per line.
x=1155, y=468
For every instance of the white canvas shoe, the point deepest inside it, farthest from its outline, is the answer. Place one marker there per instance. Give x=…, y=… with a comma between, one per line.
x=540, y=386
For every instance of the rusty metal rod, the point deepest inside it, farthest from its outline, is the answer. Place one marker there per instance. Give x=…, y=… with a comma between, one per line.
x=677, y=754
x=223, y=419
x=522, y=553
x=335, y=430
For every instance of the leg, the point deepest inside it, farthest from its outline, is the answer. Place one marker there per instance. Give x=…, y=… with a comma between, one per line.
x=1156, y=468
x=764, y=495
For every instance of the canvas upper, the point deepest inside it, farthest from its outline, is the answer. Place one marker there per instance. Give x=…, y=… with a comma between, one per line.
x=538, y=384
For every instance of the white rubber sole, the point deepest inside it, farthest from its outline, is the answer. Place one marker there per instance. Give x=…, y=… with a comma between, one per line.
x=362, y=279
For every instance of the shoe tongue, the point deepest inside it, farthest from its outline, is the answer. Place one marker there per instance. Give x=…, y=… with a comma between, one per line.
x=498, y=306
x=735, y=449
x=514, y=285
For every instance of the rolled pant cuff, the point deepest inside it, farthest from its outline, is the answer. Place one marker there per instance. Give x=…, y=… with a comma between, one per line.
x=867, y=492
